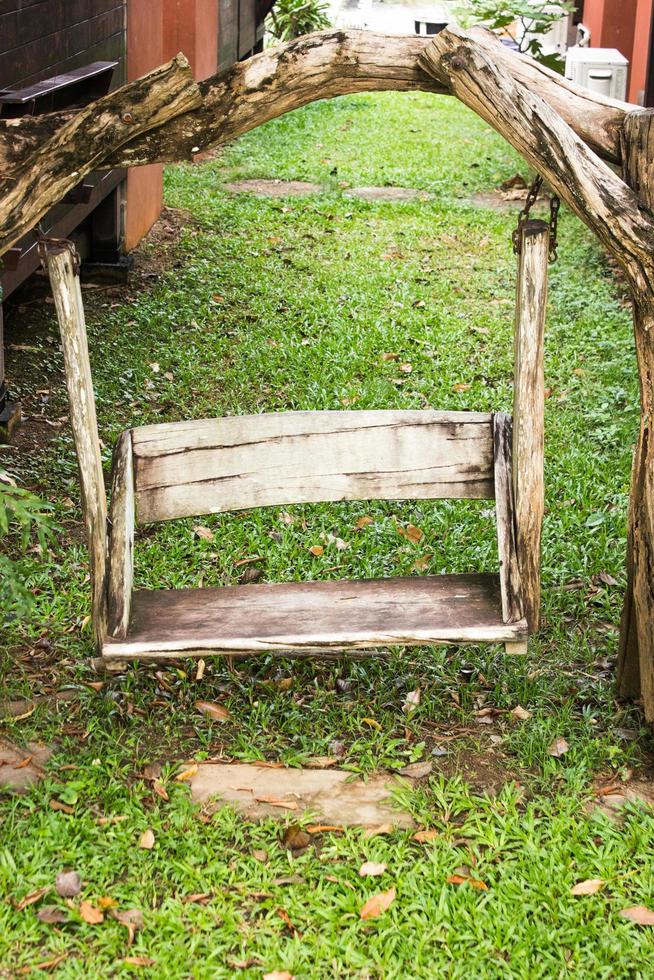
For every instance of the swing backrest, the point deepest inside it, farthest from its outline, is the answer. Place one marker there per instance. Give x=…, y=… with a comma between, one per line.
x=215, y=465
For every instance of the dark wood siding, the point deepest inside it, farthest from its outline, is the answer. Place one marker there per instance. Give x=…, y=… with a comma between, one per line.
x=40, y=38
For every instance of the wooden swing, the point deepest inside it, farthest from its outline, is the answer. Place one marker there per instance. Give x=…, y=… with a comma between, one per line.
x=211, y=466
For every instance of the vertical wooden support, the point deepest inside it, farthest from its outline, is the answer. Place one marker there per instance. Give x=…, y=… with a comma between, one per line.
x=121, y=541
x=635, y=671
x=529, y=409
x=64, y=278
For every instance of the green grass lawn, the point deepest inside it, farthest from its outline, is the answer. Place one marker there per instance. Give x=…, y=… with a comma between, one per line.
x=270, y=304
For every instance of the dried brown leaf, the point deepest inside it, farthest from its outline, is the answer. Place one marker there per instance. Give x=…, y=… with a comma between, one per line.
x=558, y=747
x=215, y=711
x=323, y=828
x=457, y=879
x=521, y=713
x=295, y=837
x=639, y=914
x=273, y=801
x=424, y=836
x=159, y=788
x=43, y=965
x=146, y=840
x=317, y=550
x=139, y=961
x=52, y=915
x=90, y=913
x=31, y=898
x=278, y=975
x=204, y=532
x=380, y=830
x=378, y=904
x=187, y=773
x=461, y=387
x=588, y=887
x=372, y=869
x=362, y=522
x=62, y=807
x=416, y=770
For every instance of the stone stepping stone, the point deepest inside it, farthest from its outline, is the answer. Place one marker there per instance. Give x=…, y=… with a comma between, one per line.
x=332, y=796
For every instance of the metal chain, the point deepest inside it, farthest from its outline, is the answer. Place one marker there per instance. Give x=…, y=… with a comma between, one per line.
x=532, y=195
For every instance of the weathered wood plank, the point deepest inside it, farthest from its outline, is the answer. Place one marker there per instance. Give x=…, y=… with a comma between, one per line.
x=121, y=538
x=83, y=421
x=311, y=617
x=512, y=608
x=217, y=465
x=529, y=410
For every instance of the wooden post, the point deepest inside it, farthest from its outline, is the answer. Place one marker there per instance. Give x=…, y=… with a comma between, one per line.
x=529, y=409
x=64, y=278
x=635, y=670
x=121, y=546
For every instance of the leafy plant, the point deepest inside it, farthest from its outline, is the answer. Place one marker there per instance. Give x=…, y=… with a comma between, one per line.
x=293, y=18
x=24, y=514
x=533, y=17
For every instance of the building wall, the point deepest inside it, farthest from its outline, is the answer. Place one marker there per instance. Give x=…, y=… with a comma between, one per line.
x=144, y=184
x=40, y=38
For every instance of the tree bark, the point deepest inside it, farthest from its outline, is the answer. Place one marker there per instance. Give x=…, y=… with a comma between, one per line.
x=635, y=674
x=82, y=144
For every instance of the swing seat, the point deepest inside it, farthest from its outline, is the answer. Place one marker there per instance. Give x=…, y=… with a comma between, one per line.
x=189, y=469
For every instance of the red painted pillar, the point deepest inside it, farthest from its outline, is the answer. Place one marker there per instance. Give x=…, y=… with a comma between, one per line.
x=144, y=52
x=191, y=26
x=640, y=53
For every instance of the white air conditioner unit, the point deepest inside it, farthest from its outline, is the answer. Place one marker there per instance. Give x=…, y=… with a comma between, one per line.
x=603, y=70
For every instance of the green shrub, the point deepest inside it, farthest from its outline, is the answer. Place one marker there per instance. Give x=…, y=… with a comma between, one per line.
x=292, y=18
x=23, y=516
x=533, y=16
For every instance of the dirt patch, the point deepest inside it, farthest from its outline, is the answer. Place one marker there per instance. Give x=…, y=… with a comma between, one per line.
x=505, y=201
x=22, y=768
x=301, y=188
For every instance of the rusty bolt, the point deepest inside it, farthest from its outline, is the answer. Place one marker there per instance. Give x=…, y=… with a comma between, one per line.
x=128, y=117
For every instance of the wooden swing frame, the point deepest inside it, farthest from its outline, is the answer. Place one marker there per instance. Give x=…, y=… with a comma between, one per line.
x=571, y=136
x=174, y=470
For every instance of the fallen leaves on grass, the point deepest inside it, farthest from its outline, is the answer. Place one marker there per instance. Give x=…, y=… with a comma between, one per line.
x=132, y=919
x=274, y=801
x=380, y=830
x=639, y=914
x=411, y=532
x=467, y=880
x=43, y=965
x=217, y=712
x=146, y=840
x=377, y=904
x=52, y=915
x=521, y=713
x=295, y=837
x=204, y=532
x=411, y=701
x=187, y=773
x=323, y=828
x=139, y=961
x=424, y=836
x=416, y=770
x=278, y=975
x=371, y=723
x=588, y=887
x=558, y=747
x=161, y=791
x=62, y=807
x=31, y=898
x=363, y=522
x=461, y=387
x=286, y=919
x=316, y=550
x=259, y=854
x=372, y=869
x=320, y=762
x=92, y=915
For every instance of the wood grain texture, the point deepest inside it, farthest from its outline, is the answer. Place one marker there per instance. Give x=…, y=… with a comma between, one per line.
x=529, y=410
x=121, y=538
x=312, y=616
x=83, y=142
x=512, y=607
x=215, y=465
x=635, y=669
x=83, y=421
